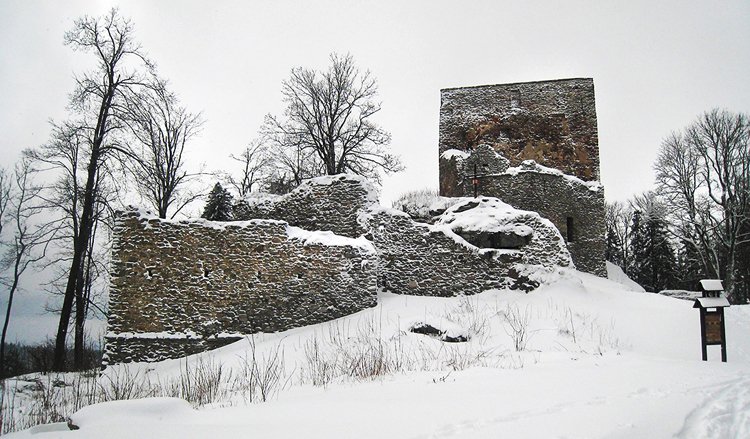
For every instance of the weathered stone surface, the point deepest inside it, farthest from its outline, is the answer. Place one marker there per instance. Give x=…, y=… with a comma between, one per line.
x=551, y=122
x=483, y=160
x=135, y=348
x=421, y=259
x=324, y=203
x=540, y=241
x=432, y=260
x=201, y=280
x=564, y=203
x=181, y=287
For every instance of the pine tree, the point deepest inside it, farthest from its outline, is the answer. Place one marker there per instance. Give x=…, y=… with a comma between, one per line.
x=653, y=257
x=219, y=205
x=613, y=252
x=638, y=250
x=663, y=260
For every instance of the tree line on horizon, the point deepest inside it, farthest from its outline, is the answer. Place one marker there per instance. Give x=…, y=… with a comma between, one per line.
x=127, y=135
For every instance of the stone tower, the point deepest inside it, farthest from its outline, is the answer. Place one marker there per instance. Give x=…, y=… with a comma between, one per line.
x=535, y=146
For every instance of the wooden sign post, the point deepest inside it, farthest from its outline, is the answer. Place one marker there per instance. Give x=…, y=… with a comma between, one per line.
x=711, y=307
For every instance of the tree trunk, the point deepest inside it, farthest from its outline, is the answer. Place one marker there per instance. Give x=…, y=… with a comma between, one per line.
x=82, y=308
x=75, y=276
x=11, y=293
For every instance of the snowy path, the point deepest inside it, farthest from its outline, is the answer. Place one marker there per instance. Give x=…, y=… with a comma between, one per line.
x=725, y=413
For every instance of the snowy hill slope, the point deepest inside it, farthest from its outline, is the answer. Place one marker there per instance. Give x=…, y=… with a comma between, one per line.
x=579, y=357
x=615, y=274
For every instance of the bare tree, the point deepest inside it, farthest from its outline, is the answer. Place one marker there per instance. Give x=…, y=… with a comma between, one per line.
x=5, y=194
x=722, y=140
x=677, y=168
x=289, y=166
x=256, y=163
x=330, y=114
x=100, y=98
x=704, y=172
x=29, y=239
x=618, y=221
x=162, y=127
x=66, y=156
x=5, y=188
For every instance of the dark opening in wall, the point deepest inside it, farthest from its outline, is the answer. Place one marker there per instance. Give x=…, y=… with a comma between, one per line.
x=206, y=272
x=570, y=230
x=500, y=240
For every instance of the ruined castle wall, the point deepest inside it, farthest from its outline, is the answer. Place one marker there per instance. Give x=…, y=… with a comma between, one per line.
x=551, y=122
x=324, y=203
x=179, y=287
x=557, y=198
x=420, y=259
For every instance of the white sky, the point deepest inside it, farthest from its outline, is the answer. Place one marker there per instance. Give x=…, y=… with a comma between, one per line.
x=656, y=66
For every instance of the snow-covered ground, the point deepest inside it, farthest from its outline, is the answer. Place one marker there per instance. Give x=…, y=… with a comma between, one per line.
x=581, y=357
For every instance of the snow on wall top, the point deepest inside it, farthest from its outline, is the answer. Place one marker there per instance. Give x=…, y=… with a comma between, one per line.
x=204, y=282
x=324, y=237
x=490, y=215
x=487, y=214
x=533, y=166
x=307, y=237
x=147, y=216
x=457, y=153
x=309, y=185
x=333, y=202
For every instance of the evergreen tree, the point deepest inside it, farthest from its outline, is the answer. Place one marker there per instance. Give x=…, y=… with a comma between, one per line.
x=613, y=253
x=663, y=260
x=219, y=205
x=638, y=249
x=653, y=257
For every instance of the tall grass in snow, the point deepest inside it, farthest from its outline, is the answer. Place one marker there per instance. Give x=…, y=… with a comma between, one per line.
x=500, y=335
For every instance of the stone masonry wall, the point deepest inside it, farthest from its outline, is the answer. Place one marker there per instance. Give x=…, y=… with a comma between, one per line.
x=544, y=246
x=423, y=260
x=324, y=203
x=551, y=122
x=180, y=287
x=557, y=198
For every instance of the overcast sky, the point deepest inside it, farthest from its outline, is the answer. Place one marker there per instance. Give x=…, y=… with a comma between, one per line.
x=656, y=66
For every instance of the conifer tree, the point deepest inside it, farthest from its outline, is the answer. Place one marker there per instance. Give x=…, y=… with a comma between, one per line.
x=613, y=252
x=653, y=256
x=638, y=247
x=219, y=205
x=663, y=259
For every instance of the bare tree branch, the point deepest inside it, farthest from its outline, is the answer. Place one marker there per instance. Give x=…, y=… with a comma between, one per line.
x=328, y=124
